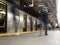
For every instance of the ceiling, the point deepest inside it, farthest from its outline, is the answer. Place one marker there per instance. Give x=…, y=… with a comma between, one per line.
x=51, y=3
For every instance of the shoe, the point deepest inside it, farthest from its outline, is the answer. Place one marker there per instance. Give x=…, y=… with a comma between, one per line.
x=46, y=34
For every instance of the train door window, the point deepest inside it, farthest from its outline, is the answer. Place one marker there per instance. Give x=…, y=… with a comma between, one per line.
x=2, y=17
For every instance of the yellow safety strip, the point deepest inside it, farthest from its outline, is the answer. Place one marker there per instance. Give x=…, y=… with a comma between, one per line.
x=19, y=33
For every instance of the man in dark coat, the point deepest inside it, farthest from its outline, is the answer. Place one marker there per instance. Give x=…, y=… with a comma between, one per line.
x=44, y=18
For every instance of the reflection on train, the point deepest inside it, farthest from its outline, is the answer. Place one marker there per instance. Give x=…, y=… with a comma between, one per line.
x=25, y=22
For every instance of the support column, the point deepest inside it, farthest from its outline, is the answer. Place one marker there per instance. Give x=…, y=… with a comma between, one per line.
x=31, y=24
x=25, y=23
x=36, y=25
x=5, y=29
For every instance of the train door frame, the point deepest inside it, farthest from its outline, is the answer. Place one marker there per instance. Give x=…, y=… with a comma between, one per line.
x=4, y=26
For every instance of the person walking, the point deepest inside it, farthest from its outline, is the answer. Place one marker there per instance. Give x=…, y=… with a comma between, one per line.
x=44, y=18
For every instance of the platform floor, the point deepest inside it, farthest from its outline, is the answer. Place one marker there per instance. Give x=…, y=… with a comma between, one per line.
x=53, y=38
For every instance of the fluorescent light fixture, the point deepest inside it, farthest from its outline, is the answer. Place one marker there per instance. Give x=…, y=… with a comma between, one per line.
x=40, y=5
x=2, y=12
x=2, y=2
x=31, y=5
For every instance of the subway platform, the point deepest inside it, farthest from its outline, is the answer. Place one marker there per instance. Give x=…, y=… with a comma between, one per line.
x=35, y=38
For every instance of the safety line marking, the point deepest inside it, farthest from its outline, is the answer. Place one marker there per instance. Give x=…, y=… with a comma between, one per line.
x=18, y=33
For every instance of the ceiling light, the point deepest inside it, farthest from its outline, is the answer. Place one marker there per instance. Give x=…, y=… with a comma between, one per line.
x=40, y=5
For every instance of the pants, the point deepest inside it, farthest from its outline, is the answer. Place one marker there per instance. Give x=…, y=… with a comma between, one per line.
x=45, y=27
